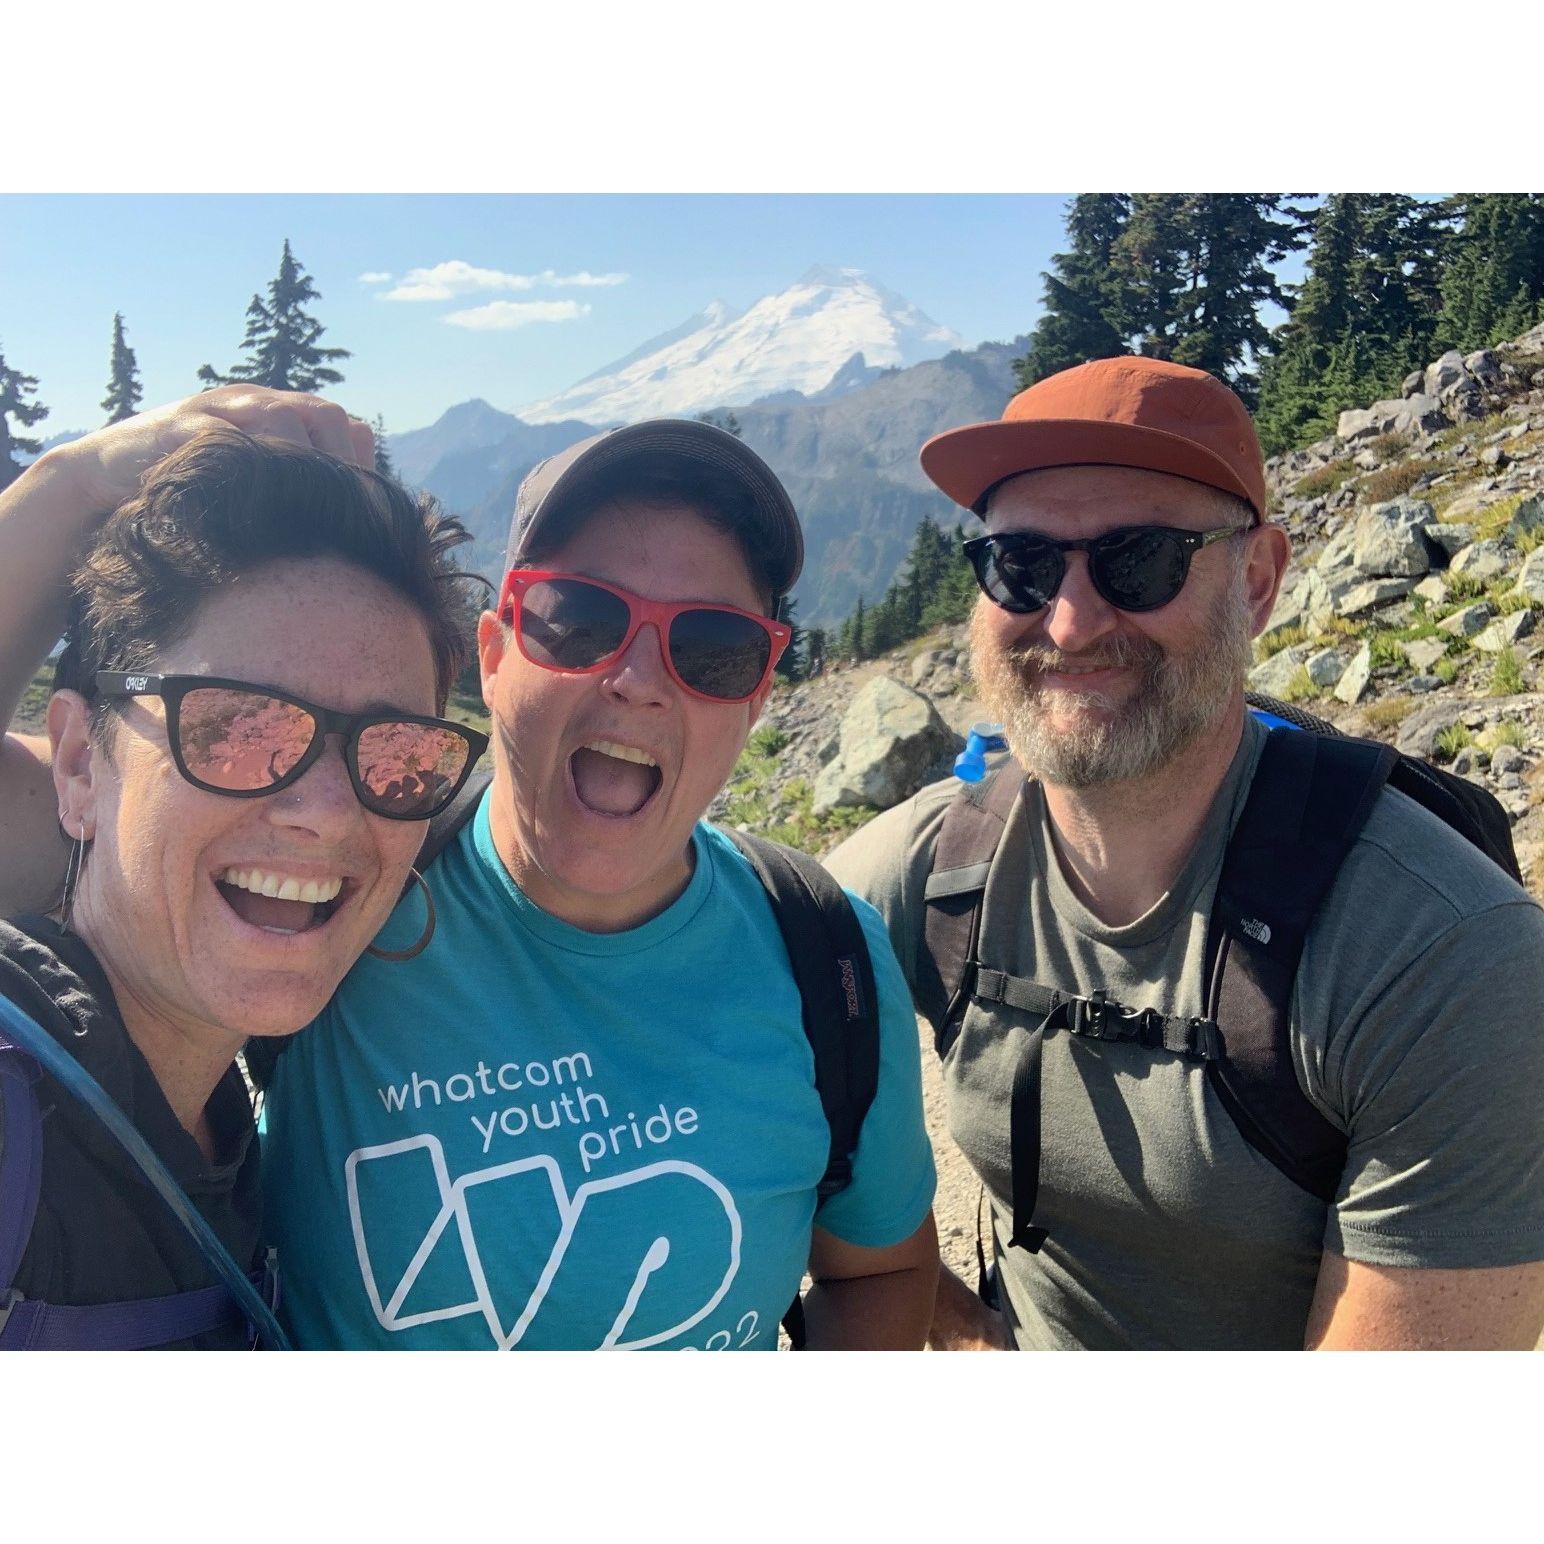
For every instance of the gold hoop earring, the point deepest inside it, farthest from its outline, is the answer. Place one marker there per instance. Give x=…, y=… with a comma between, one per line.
x=428, y=932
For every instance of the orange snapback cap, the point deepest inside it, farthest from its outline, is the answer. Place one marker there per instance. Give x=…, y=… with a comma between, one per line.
x=1128, y=411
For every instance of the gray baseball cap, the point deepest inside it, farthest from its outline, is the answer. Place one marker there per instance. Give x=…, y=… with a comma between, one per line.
x=556, y=488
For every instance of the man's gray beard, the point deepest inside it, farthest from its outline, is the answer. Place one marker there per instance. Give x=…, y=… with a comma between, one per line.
x=1178, y=697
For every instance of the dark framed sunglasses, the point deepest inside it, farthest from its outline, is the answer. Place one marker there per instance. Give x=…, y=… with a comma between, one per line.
x=246, y=741
x=577, y=625
x=1135, y=568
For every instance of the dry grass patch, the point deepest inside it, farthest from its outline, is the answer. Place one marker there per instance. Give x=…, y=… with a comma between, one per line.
x=1391, y=482
x=1387, y=712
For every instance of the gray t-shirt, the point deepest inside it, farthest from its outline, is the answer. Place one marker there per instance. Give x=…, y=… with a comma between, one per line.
x=1415, y=1028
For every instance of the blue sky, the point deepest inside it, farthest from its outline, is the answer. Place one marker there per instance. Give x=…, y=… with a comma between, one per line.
x=182, y=269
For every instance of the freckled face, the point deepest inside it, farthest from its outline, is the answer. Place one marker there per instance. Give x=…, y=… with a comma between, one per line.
x=597, y=840
x=150, y=900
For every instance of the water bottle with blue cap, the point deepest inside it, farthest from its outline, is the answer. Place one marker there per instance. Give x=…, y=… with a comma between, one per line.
x=970, y=764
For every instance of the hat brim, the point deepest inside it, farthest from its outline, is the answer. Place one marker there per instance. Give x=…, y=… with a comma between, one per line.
x=968, y=463
x=662, y=441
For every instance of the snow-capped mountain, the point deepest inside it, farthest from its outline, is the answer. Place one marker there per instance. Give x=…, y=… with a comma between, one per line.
x=799, y=339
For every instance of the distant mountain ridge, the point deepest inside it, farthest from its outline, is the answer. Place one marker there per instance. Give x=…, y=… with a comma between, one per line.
x=850, y=465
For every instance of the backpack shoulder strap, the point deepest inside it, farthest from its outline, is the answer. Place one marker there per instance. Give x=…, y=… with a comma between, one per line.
x=968, y=840
x=1472, y=811
x=446, y=826
x=1310, y=797
x=835, y=977
x=21, y=1156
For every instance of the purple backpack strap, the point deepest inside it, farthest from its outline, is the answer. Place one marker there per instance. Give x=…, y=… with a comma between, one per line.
x=21, y=1157
x=135, y=1326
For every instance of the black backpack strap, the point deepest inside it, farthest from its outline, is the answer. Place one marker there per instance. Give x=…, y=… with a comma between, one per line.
x=1474, y=812
x=1310, y=797
x=21, y=1157
x=968, y=840
x=446, y=826
x=835, y=977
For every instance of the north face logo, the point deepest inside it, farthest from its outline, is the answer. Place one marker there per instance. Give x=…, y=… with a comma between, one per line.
x=1257, y=930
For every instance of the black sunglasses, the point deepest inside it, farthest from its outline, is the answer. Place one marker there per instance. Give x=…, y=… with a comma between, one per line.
x=1135, y=568
x=234, y=738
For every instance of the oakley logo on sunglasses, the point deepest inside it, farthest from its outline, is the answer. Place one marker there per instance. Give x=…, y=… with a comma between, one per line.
x=246, y=741
x=577, y=625
x=1135, y=568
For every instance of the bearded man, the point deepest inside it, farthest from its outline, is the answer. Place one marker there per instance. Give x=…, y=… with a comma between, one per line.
x=1123, y=1134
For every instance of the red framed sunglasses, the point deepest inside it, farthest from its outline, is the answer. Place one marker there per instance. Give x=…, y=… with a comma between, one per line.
x=577, y=625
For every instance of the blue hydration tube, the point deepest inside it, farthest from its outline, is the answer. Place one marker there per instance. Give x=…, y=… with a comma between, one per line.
x=970, y=764
x=30, y=1037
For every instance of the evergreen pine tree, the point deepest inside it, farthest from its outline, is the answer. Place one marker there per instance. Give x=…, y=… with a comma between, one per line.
x=282, y=339
x=1082, y=301
x=123, y=389
x=1150, y=260
x=383, y=463
x=15, y=390
x=724, y=420
x=1493, y=282
x=857, y=644
x=791, y=666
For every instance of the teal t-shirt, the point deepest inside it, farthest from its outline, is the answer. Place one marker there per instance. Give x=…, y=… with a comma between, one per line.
x=532, y=1136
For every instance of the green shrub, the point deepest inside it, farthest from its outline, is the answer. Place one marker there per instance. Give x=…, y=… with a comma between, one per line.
x=1384, y=649
x=1506, y=678
x=1446, y=670
x=1507, y=732
x=1300, y=687
x=766, y=741
x=1390, y=482
x=1452, y=740
x=1282, y=638
x=1325, y=480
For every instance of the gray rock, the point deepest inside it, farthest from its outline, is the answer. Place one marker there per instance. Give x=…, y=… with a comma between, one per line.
x=1450, y=536
x=1288, y=613
x=1336, y=554
x=1469, y=621
x=1507, y=758
x=1483, y=366
x=1272, y=676
x=1325, y=667
x=1423, y=653
x=1444, y=372
x=1357, y=598
x=1528, y=518
x=1412, y=383
x=1505, y=631
x=1433, y=590
x=1387, y=540
x=1357, y=674
x=1418, y=733
x=1469, y=760
x=891, y=736
x=1484, y=560
x=1507, y=779
x=1530, y=580
x=924, y=665
x=1494, y=456
x=1421, y=684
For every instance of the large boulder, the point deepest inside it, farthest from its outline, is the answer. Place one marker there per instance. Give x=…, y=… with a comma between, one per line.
x=1387, y=540
x=1419, y=730
x=1353, y=682
x=1370, y=594
x=1531, y=579
x=891, y=738
x=1445, y=372
x=1504, y=631
x=1274, y=675
x=1396, y=415
x=1527, y=519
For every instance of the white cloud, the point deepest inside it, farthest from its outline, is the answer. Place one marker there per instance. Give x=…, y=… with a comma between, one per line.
x=505, y=315
x=375, y=277
x=452, y=280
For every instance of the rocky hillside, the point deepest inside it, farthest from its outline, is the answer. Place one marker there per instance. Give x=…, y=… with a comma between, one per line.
x=1409, y=614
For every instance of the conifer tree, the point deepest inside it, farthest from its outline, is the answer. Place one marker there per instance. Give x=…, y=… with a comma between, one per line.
x=791, y=666
x=1493, y=283
x=383, y=463
x=283, y=339
x=123, y=388
x=1150, y=260
x=15, y=391
x=1083, y=303
x=857, y=643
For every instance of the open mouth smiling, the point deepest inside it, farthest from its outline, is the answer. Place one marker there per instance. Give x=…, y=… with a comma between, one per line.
x=281, y=903
x=613, y=780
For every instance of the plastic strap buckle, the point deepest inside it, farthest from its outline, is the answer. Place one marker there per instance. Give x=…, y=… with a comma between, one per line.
x=9, y=1299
